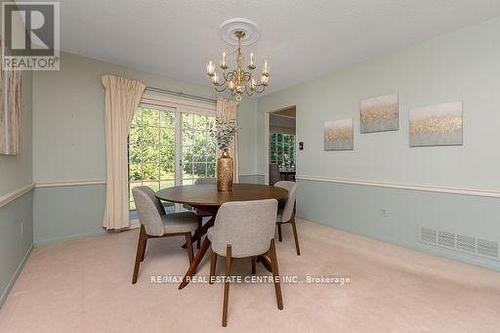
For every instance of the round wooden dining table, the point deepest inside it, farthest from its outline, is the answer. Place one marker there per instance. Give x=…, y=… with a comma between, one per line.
x=207, y=198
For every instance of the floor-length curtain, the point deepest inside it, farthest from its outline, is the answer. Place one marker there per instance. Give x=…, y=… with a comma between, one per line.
x=10, y=109
x=228, y=109
x=122, y=98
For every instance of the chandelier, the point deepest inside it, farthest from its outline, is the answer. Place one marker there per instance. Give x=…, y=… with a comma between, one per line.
x=239, y=80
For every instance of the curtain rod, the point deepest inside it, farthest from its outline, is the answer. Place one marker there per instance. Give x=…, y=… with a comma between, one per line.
x=181, y=94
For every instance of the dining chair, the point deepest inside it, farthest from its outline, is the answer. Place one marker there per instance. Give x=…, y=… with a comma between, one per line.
x=155, y=223
x=287, y=213
x=274, y=173
x=244, y=229
x=200, y=213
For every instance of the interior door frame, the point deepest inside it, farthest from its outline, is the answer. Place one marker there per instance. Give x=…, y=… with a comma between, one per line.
x=267, y=117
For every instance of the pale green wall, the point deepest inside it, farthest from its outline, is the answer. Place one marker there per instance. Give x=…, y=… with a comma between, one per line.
x=15, y=173
x=69, y=142
x=463, y=65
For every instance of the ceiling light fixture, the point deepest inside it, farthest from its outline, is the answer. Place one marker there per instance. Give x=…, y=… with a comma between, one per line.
x=239, y=80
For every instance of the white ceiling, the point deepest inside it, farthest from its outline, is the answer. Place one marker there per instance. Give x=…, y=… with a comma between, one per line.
x=301, y=38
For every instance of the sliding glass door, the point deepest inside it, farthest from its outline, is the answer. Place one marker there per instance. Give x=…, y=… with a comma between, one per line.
x=169, y=147
x=198, y=147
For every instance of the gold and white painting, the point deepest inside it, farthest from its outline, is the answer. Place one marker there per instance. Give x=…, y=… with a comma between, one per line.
x=339, y=135
x=379, y=114
x=437, y=125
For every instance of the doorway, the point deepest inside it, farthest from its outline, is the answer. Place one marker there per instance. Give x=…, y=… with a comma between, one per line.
x=280, y=145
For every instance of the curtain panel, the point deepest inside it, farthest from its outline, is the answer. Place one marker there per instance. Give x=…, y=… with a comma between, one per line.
x=122, y=98
x=10, y=109
x=228, y=109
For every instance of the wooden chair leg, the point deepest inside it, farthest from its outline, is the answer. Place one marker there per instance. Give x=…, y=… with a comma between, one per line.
x=280, y=238
x=189, y=244
x=274, y=265
x=226, y=286
x=213, y=265
x=253, y=265
x=198, y=232
x=145, y=238
x=141, y=246
x=295, y=235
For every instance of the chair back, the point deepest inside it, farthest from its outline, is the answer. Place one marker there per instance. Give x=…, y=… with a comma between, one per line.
x=149, y=210
x=200, y=181
x=274, y=173
x=288, y=210
x=248, y=226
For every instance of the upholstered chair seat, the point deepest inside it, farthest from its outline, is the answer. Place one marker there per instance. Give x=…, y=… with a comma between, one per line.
x=244, y=229
x=156, y=223
x=179, y=222
x=279, y=216
x=287, y=213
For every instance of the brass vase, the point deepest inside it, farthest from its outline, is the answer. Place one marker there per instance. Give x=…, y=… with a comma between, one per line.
x=225, y=172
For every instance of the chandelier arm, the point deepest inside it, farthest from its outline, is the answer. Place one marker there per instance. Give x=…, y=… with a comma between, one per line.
x=249, y=92
x=221, y=83
x=247, y=76
x=222, y=89
x=259, y=88
x=228, y=76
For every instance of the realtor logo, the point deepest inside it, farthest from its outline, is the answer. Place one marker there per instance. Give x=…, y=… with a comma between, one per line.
x=31, y=35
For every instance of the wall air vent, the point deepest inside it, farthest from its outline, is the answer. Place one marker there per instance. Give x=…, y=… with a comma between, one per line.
x=429, y=235
x=487, y=248
x=446, y=239
x=458, y=242
x=466, y=243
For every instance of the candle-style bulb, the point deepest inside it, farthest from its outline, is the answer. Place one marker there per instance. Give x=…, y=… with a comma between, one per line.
x=210, y=68
x=215, y=78
x=223, y=64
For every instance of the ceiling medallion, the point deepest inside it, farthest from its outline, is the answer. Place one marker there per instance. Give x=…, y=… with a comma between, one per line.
x=240, y=79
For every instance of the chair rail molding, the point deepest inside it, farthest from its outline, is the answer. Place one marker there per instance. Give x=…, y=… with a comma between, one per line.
x=70, y=182
x=411, y=187
x=11, y=196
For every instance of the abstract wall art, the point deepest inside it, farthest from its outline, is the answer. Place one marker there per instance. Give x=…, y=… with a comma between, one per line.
x=379, y=114
x=339, y=135
x=437, y=125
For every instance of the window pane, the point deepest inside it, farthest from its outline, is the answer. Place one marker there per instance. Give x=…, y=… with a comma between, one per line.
x=167, y=170
x=135, y=171
x=167, y=119
x=167, y=145
x=150, y=145
x=187, y=122
x=151, y=171
x=210, y=169
x=137, y=119
x=150, y=117
x=199, y=147
x=187, y=154
x=155, y=186
x=211, y=152
x=200, y=169
x=134, y=141
x=188, y=170
x=167, y=184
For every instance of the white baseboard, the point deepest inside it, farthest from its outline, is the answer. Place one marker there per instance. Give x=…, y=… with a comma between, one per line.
x=14, y=277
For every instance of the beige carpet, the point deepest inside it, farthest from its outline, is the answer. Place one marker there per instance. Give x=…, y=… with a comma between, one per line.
x=84, y=286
